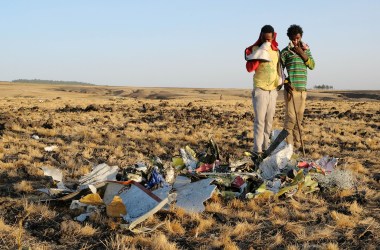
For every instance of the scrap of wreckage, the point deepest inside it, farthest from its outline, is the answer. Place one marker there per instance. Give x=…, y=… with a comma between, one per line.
x=135, y=193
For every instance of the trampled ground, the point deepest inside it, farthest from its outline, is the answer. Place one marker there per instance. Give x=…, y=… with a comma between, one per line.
x=121, y=126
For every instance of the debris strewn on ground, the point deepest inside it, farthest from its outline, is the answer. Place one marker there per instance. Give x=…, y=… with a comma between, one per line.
x=136, y=192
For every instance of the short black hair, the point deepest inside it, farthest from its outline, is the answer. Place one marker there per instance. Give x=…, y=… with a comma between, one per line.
x=267, y=29
x=294, y=29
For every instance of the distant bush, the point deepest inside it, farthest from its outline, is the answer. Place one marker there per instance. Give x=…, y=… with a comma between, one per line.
x=323, y=86
x=50, y=82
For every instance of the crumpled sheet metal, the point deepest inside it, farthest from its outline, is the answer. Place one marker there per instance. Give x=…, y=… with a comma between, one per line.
x=137, y=199
x=190, y=196
x=140, y=203
x=163, y=192
x=272, y=165
x=181, y=181
x=101, y=172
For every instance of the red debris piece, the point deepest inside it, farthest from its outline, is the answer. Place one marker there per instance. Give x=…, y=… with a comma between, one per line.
x=205, y=168
x=237, y=182
x=303, y=164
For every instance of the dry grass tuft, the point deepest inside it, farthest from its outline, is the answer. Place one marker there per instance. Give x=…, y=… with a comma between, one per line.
x=356, y=166
x=242, y=230
x=119, y=242
x=342, y=220
x=179, y=212
x=322, y=233
x=72, y=229
x=253, y=205
x=40, y=210
x=355, y=208
x=345, y=193
x=23, y=187
x=161, y=242
x=87, y=230
x=281, y=212
x=236, y=204
x=292, y=247
x=332, y=246
x=216, y=198
x=215, y=207
x=296, y=205
x=277, y=240
x=243, y=214
x=298, y=230
x=4, y=227
x=224, y=242
x=203, y=224
x=174, y=227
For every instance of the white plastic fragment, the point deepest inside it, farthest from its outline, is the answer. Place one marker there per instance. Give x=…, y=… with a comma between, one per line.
x=50, y=148
x=134, y=177
x=141, y=167
x=272, y=165
x=170, y=175
x=261, y=53
x=189, y=161
x=92, y=188
x=55, y=173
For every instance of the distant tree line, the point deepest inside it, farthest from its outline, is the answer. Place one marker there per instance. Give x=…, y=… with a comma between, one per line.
x=323, y=86
x=50, y=82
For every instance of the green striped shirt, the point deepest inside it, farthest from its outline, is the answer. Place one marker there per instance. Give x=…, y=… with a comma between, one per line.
x=296, y=67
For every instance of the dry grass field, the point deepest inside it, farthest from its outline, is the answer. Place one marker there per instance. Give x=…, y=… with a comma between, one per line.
x=123, y=125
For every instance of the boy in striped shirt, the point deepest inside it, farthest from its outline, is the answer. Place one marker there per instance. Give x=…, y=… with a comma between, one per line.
x=296, y=58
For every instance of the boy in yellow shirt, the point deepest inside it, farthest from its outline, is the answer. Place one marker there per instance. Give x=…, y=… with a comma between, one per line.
x=264, y=59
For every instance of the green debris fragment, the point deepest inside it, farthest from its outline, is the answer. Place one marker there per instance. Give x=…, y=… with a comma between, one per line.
x=286, y=189
x=191, y=152
x=178, y=163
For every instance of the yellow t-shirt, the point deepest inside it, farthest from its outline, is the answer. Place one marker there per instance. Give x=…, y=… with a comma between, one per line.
x=266, y=75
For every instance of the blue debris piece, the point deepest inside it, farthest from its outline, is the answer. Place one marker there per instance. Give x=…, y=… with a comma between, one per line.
x=156, y=179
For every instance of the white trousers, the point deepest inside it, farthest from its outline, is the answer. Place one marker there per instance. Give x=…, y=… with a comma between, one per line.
x=264, y=105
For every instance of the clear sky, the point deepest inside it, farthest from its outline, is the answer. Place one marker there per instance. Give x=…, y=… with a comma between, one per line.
x=195, y=43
